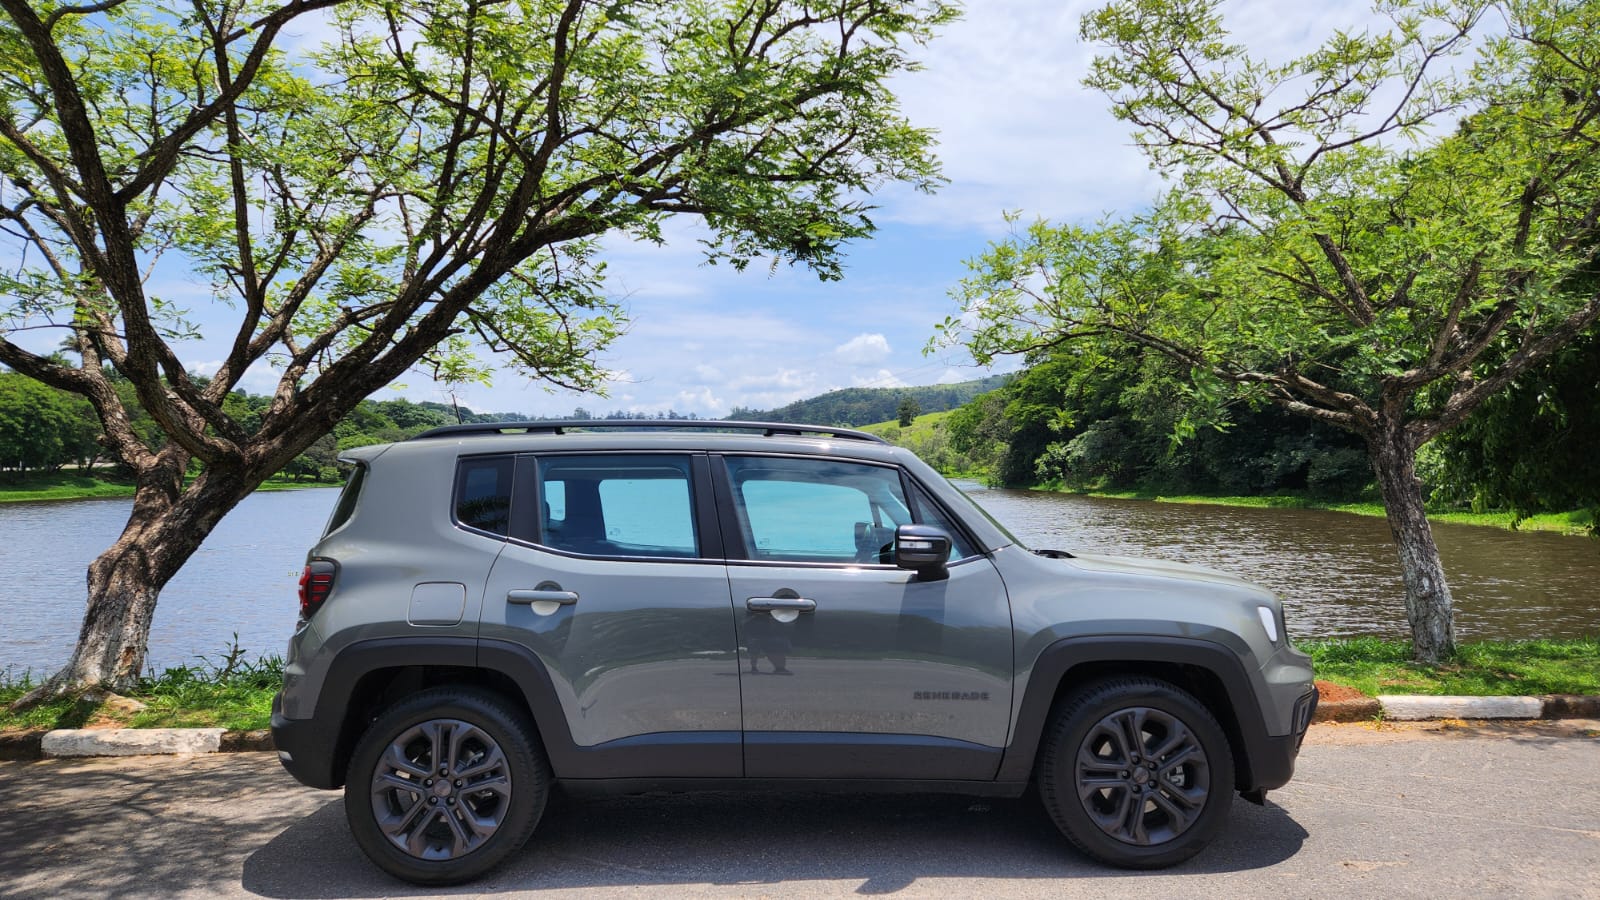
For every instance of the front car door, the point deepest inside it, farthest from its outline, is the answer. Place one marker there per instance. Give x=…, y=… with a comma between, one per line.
x=615, y=581
x=861, y=669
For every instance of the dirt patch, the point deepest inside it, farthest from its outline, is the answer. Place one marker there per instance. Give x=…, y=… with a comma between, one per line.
x=1335, y=693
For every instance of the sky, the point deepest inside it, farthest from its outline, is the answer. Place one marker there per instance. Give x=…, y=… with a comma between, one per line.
x=1016, y=132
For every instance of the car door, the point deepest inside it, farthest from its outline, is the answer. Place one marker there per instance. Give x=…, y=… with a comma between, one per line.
x=616, y=583
x=849, y=666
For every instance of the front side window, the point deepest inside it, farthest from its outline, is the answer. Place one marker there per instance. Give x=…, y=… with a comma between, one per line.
x=617, y=506
x=817, y=510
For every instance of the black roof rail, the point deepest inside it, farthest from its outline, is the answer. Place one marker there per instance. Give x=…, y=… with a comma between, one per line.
x=562, y=426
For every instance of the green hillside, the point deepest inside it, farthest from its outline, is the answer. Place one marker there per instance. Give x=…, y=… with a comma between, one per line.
x=852, y=407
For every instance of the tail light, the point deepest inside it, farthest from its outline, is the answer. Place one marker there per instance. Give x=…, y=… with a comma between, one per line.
x=316, y=583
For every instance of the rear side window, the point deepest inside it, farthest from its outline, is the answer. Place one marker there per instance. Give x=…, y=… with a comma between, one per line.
x=346, y=507
x=618, y=506
x=483, y=493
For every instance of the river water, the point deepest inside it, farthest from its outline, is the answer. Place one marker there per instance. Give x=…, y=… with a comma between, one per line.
x=1336, y=572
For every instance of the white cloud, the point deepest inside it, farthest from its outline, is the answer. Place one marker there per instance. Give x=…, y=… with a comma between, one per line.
x=863, y=350
x=883, y=378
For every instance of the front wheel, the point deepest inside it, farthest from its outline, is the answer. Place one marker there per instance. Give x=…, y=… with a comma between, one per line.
x=1136, y=772
x=445, y=785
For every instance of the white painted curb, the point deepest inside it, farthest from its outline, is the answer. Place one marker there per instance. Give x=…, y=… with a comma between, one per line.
x=1412, y=707
x=130, y=741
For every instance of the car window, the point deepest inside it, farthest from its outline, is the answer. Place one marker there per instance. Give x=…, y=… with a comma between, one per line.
x=813, y=510
x=617, y=506
x=483, y=493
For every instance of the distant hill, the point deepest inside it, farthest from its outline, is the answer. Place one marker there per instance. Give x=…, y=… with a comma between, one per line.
x=864, y=406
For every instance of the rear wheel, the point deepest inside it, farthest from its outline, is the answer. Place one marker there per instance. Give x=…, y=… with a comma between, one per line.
x=445, y=785
x=1136, y=772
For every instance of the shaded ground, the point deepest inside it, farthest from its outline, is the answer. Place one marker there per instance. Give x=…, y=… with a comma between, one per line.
x=1398, y=811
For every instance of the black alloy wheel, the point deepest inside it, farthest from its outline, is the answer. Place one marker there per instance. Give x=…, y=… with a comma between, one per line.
x=445, y=785
x=1136, y=772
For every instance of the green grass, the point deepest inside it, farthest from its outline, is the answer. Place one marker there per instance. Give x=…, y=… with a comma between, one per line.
x=229, y=692
x=66, y=485
x=1574, y=523
x=59, y=486
x=1481, y=668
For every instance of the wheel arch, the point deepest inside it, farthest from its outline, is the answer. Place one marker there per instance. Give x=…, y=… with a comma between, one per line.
x=1209, y=671
x=368, y=676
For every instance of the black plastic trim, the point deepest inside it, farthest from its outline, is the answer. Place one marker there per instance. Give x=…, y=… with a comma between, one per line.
x=611, y=787
x=1268, y=761
x=560, y=426
x=314, y=750
x=807, y=754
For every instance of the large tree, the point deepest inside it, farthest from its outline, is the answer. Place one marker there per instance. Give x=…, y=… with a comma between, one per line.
x=1379, y=235
x=372, y=185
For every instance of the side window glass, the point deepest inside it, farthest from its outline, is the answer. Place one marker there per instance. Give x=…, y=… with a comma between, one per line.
x=346, y=506
x=810, y=510
x=617, y=506
x=483, y=493
x=930, y=513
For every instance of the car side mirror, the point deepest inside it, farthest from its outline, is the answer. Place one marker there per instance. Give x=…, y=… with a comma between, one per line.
x=924, y=549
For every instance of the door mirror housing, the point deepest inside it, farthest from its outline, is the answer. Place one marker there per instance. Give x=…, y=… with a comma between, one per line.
x=924, y=549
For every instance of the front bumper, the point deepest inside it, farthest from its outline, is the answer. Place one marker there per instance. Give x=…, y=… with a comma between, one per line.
x=1272, y=763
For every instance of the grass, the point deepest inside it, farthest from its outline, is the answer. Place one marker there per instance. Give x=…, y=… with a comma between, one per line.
x=1481, y=668
x=228, y=692
x=73, y=485
x=1578, y=522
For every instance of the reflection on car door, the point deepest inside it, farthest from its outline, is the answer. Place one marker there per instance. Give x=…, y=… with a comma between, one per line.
x=620, y=590
x=851, y=667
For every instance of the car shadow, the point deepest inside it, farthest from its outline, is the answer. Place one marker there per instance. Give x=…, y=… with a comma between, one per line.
x=882, y=843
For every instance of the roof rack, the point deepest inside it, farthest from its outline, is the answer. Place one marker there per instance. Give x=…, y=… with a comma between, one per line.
x=563, y=426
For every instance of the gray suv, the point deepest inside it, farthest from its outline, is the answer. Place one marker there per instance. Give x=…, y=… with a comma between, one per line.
x=498, y=609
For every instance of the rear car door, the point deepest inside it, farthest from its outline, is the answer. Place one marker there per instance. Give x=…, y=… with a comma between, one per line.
x=866, y=670
x=614, y=579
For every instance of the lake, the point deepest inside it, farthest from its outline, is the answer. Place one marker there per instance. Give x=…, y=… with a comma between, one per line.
x=1336, y=572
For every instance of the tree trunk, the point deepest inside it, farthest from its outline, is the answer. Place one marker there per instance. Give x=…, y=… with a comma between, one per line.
x=165, y=528
x=1429, y=606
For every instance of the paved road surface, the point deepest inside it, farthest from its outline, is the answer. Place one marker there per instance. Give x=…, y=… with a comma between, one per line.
x=1408, y=812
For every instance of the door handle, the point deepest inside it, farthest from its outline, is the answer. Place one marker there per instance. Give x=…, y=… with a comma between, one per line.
x=775, y=604
x=563, y=598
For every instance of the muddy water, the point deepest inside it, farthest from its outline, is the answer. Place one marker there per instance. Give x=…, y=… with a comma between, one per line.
x=1336, y=572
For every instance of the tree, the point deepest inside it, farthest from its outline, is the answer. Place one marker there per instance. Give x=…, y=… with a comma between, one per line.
x=42, y=428
x=1365, y=235
x=907, y=411
x=435, y=175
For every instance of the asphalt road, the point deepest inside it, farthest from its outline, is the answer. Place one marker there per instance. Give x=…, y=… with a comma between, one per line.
x=1405, y=812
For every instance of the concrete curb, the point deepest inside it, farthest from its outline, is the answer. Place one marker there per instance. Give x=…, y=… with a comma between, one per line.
x=70, y=742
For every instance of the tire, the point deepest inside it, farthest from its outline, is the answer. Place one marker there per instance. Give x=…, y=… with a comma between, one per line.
x=1142, y=802
x=432, y=831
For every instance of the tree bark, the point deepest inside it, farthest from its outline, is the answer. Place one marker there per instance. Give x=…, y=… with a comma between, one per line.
x=1429, y=607
x=166, y=526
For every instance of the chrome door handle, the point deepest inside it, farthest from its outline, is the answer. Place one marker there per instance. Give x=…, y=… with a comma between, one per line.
x=565, y=598
x=771, y=604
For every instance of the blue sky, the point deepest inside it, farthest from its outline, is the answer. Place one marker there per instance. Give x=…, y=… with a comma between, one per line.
x=1016, y=131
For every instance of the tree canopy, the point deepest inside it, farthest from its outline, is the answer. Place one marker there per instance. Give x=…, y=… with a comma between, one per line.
x=1379, y=235
x=366, y=186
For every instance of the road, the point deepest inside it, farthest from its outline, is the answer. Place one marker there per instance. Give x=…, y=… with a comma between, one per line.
x=1405, y=811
